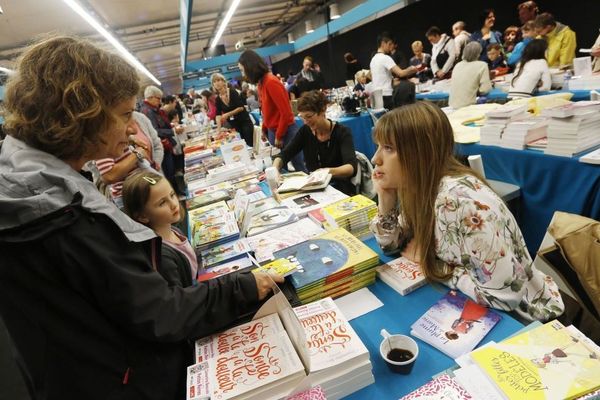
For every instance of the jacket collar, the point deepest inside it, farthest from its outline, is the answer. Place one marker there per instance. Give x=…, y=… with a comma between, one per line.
x=34, y=184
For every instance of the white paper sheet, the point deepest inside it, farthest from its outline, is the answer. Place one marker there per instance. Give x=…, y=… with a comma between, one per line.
x=358, y=303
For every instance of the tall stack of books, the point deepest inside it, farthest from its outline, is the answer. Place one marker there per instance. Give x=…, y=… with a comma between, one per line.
x=496, y=120
x=334, y=263
x=278, y=354
x=352, y=214
x=518, y=134
x=573, y=128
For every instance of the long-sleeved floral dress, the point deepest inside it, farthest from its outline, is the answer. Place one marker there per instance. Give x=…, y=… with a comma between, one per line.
x=478, y=237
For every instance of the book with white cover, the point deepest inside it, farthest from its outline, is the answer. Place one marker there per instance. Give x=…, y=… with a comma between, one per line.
x=402, y=275
x=235, y=151
x=265, y=244
x=592, y=157
x=303, y=203
x=318, y=179
x=572, y=109
x=507, y=110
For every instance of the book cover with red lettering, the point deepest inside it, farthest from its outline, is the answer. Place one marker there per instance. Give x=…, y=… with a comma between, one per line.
x=268, y=368
x=238, y=337
x=330, y=339
x=402, y=275
x=315, y=393
x=441, y=388
x=455, y=324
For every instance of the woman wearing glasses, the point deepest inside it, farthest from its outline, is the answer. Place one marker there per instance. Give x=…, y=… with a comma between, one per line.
x=325, y=143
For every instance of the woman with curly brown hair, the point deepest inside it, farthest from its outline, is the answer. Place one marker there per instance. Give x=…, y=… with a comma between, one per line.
x=79, y=293
x=444, y=216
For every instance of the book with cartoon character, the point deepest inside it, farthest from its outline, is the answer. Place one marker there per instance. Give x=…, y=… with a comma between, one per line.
x=455, y=324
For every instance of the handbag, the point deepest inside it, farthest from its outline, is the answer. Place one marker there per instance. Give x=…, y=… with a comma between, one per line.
x=167, y=145
x=442, y=56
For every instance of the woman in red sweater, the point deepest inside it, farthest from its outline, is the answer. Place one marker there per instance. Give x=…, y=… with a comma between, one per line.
x=277, y=119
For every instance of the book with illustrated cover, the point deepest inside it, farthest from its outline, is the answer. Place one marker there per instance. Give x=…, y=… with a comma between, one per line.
x=212, y=230
x=265, y=244
x=402, y=275
x=326, y=259
x=239, y=264
x=455, y=324
x=299, y=181
x=225, y=252
x=344, y=208
x=281, y=266
x=270, y=219
x=548, y=362
x=314, y=393
x=303, y=203
x=206, y=199
x=235, y=151
x=441, y=388
x=352, y=214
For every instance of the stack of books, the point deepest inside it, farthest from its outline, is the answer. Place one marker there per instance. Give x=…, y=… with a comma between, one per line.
x=304, y=203
x=573, y=128
x=352, y=214
x=334, y=263
x=212, y=225
x=518, y=134
x=279, y=353
x=549, y=361
x=496, y=120
x=402, y=275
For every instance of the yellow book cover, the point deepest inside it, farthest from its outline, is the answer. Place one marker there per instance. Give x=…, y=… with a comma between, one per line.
x=548, y=362
x=281, y=266
x=328, y=257
x=345, y=207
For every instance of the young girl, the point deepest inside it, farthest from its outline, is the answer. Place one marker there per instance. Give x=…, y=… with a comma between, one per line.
x=532, y=73
x=450, y=221
x=528, y=33
x=512, y=36
x=149, y=199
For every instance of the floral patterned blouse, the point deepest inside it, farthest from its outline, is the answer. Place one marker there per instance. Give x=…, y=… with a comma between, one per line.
x=479, y=238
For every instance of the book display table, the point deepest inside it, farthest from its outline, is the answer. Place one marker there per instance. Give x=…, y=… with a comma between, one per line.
x=499, y=96
x=396, y=316
x=548, y=183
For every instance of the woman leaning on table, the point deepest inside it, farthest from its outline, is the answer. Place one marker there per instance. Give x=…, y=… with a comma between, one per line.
x=79, y=293
x=324, y=143
x=277, y=118
x=444, y=216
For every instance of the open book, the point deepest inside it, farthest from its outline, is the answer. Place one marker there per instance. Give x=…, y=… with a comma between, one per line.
x=281, y=352
x=296, y=181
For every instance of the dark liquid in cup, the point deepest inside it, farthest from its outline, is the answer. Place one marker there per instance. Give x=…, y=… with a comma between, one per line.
x=399, y=355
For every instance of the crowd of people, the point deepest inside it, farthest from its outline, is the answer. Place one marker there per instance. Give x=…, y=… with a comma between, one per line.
x=97, y=288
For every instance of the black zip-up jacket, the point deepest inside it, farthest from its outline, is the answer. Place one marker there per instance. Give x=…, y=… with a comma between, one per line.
x=80, y=296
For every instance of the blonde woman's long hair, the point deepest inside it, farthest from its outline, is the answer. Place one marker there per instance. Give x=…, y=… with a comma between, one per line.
x=423, y=138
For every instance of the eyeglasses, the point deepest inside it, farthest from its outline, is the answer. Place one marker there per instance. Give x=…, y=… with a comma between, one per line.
x=306, y=117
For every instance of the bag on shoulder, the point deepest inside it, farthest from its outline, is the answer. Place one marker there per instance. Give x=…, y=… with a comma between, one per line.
x=443, y=56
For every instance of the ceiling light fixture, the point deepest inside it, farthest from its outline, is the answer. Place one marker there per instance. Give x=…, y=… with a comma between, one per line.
x=334, y=12
x=225, y=21
x=290, y=38
x=309, y=27
x=75, y=6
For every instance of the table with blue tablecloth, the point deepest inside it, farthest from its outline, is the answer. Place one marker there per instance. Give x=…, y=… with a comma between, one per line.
x=360, y=125
x=396, y=316
x=548, y=183
x=497, y=95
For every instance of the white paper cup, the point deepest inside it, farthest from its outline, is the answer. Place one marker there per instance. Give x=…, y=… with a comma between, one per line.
x=393, y=345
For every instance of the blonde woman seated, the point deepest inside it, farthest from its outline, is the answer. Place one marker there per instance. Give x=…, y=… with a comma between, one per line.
x=445, y=217
x=325, y=143
x=469, y=77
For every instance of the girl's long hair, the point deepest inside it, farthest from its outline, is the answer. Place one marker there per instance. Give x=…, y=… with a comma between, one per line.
x=424, y=140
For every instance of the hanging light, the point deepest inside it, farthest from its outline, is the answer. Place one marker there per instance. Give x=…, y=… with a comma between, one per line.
x=334, y=12
x=309, y=26
x=290, y=38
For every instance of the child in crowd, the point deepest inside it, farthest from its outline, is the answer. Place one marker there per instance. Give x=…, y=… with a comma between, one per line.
x=528, y=33
x=496, y=62
x=532, y=73
x=512, y=35
x=149, y=199
x=445, y=217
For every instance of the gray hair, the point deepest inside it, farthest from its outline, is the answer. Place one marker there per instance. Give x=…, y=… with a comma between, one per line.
x=152, y=91
x=216, y=77
x=471, y=52
x=460, y=25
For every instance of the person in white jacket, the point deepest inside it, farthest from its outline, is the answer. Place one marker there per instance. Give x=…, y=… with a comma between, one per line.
x=443, y=53
x=532, y=73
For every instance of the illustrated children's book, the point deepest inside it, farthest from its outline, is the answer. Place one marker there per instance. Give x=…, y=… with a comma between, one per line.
x=225, y=252
x=402, y=275
x=270, y=219
x=229, y=267
x=441, y=388
x=281, y=266
x=455, y=324
x=548, y=362
x=296, y=181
